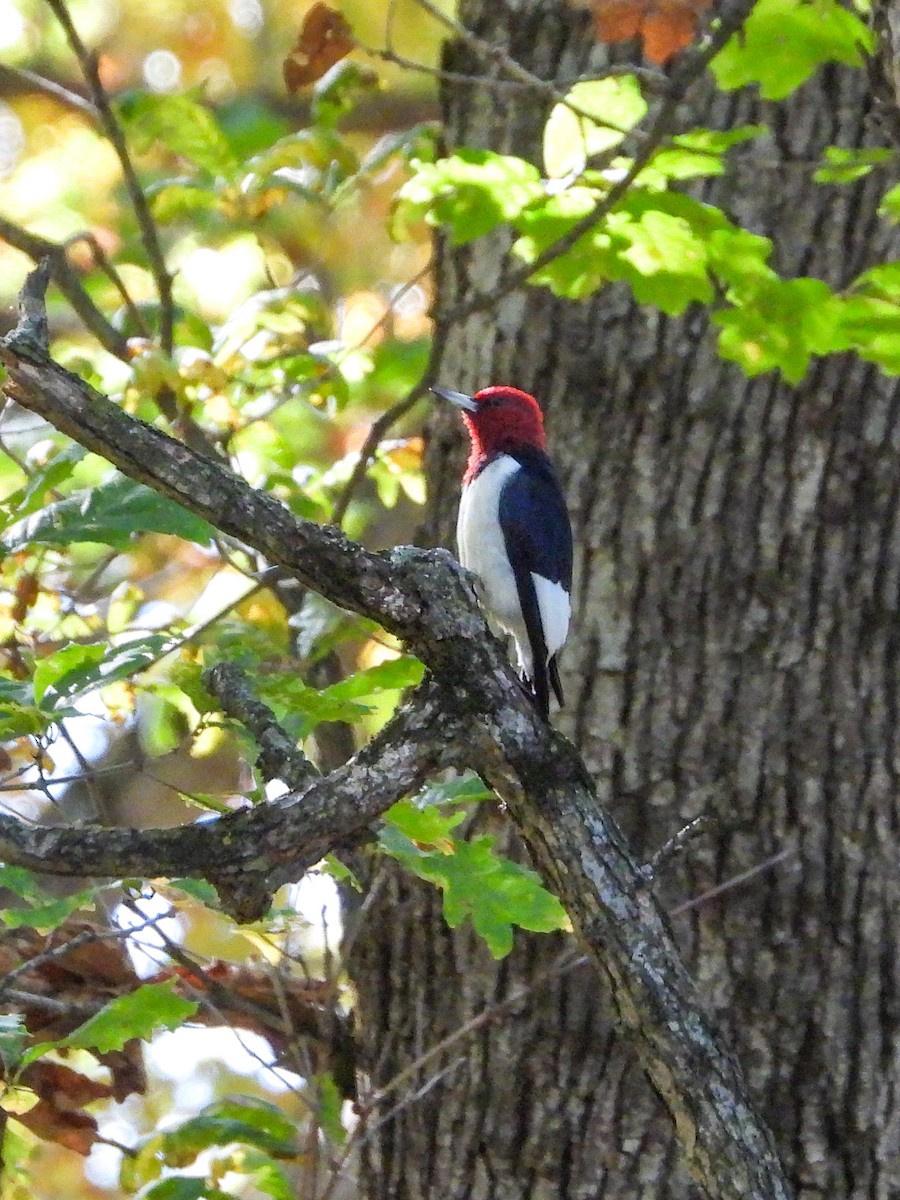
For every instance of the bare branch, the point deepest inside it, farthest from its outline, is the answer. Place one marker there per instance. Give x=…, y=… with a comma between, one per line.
x=249, y=854
x=113, y=130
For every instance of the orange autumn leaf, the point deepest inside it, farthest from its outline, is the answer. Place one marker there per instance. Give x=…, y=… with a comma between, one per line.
x=324, y=40
x=666, y=26
x=617, y=22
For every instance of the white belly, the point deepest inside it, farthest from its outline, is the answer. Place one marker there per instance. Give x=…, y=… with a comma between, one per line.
x=483, y=552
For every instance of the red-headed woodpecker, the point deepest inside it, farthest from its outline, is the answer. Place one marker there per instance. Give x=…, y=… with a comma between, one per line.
x=513, y=531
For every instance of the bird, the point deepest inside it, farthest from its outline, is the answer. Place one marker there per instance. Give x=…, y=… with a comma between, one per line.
x=513, y=532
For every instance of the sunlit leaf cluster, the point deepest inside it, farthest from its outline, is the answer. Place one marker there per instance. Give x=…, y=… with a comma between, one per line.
x=669, y=248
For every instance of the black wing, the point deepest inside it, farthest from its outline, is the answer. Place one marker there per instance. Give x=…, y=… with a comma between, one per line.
x=538, y=538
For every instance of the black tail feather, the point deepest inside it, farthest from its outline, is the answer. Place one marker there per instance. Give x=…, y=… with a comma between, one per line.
x=553, y=672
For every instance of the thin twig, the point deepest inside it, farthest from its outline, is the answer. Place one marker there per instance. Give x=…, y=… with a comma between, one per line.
x=735, y=881
x=497, y=54
x=49, y=87
x=88, y=63
x=66, y=278
x=675, y=845
x=41, y=786
x=102, y=260
x=380, y=427
x=60, y=1008
x=377, y=431
x=653, y=81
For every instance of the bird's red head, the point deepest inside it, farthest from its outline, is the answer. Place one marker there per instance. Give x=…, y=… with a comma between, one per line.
x=498, y=419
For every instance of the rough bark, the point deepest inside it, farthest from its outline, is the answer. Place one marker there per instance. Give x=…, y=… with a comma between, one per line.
x=735, y=652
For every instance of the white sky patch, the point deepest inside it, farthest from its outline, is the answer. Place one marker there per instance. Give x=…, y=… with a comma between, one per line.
x=147, y=948
x=12, y=25
x=182, y=1055
x=315, y=898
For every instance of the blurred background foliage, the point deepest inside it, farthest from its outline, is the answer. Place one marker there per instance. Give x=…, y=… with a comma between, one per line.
x=297, y=321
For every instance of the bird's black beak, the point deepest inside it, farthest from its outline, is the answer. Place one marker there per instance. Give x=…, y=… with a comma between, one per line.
x=460, y=399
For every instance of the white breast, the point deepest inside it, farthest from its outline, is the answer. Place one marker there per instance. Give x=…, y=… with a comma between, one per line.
x=480, y=540
x=483, y=552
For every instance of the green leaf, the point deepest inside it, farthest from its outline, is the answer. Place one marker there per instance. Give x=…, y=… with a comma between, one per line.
x=184, y=1187
x=13, y=1036
x=462, y=789
x=77, y=669
x=657, y=241
x=266, y=1175
x=246, y=1120
x=494, y=892
x=783, y=42
x=700, y=152
x=583, y=268
x=890, y=203
x=197, y=889
x=471, y=192
x=302, y=707
x=739, y=260
x=427, y=826
x=138, y=1015
x=21, y=881
x=781, y=326
x=339, y=89
x=843, y=165
x=571, y=138
x=45, y=911
x=19, y=715
x=48, y=914
x=882, y=281
x=17, y=1153
x=174, y=199
x=33, y=495
x=184, y=126
x=391, y=675
x=111, y=514
x=55, y=670
x=871, y=327
x=329, y=1109
x=668, y=260
x=339, y=872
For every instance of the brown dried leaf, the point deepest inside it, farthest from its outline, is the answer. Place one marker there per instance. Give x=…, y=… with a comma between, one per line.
x=28, y=589
x=76, y=1130
x=666, y=26
x=324, y=40
x=61, y=1086
x=62, y=1094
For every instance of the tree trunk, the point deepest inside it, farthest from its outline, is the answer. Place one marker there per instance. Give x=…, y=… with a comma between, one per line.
x=735, y=652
